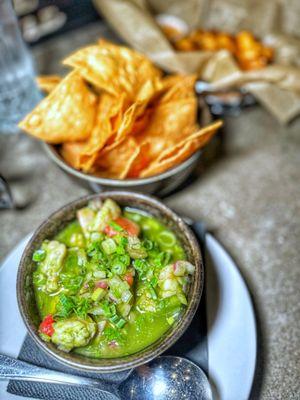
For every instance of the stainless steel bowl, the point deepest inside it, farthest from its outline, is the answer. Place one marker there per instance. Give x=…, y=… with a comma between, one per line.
x=160, y=184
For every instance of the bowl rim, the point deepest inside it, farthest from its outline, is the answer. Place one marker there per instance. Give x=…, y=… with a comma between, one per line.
x=58, y=159
x=163, y=343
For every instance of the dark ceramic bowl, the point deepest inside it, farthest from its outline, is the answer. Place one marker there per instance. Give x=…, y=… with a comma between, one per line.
x=54, y=224
x=160, y=184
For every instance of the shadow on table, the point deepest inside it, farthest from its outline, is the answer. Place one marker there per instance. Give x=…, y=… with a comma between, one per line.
x=260, y=354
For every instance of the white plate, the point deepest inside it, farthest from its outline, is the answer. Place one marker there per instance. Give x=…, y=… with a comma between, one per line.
x=230, y=315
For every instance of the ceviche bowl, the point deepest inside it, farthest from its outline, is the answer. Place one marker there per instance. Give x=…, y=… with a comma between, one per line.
x=152, y=294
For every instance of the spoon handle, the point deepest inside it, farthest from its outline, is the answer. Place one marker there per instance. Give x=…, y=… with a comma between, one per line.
x=11, y=368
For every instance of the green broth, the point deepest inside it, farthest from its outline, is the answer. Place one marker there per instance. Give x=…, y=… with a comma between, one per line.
x=142, y=327
x=154, y=230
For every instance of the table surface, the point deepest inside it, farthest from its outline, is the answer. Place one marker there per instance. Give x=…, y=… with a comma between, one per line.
x=249, y=197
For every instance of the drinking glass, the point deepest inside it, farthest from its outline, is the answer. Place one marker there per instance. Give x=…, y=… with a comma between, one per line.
x=18, y=90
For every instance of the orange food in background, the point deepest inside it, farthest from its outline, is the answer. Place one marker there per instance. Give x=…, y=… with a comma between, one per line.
x=249, y=52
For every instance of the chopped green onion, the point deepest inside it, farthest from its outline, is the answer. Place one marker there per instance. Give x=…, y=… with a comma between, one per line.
x=98, y=294
x=95, y=251
x=126, y=296
x=170, y=320
x=120, y=264
x=152, y=293
x=114, y=319
x=182, y=298
x=166, y=238
x=64, y=306
x=99, y=274
x=71, y=283
x=133, y=216
x=148, y=244
x=142, y=267
x=39, y=255
x=123, y=241
x=153, y=281
x=120, y=250
x=109, y=246
x=106, y=309
x=118, y=268
x=96, y=236
x=120, y=323
x=113, y=309
x=125, y=259
x=167, y=257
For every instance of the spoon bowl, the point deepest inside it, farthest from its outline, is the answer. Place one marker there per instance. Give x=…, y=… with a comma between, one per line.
x=164, y=378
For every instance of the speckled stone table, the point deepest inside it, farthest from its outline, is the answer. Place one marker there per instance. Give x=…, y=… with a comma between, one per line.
x=249, y=197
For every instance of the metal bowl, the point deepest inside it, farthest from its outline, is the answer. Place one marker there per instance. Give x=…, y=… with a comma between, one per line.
x=160, y=184
x=57, y=221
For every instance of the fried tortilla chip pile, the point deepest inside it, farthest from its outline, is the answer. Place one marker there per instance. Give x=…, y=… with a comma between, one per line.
x=249, y=52
x=115, y=116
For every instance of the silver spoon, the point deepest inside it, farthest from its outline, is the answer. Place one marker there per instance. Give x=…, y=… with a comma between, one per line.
x=165, y=378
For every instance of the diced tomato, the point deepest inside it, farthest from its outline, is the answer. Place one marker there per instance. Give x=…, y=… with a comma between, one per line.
x=46, y=325
x=101, y=284
x=110, y=231
x=129, y=226
x=129, y=279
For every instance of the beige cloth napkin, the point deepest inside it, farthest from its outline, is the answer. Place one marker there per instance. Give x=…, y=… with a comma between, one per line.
x=276, y=87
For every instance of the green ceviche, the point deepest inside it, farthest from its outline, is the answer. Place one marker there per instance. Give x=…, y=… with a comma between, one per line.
x=111, y=282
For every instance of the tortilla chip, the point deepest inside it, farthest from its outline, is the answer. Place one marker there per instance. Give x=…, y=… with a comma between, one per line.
x=48, y=82
x=127, y=124
x=67, y=114
x=203, y=135
x=117, y=69
x=167, y=124
x=141, y=122
x=108, y=121
x=116, y=163
x=82, y=155
x=111, y=129
x=71, y=152
x=162, y=166
x=178, y=87
x=181, y=151
x=141, y=161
